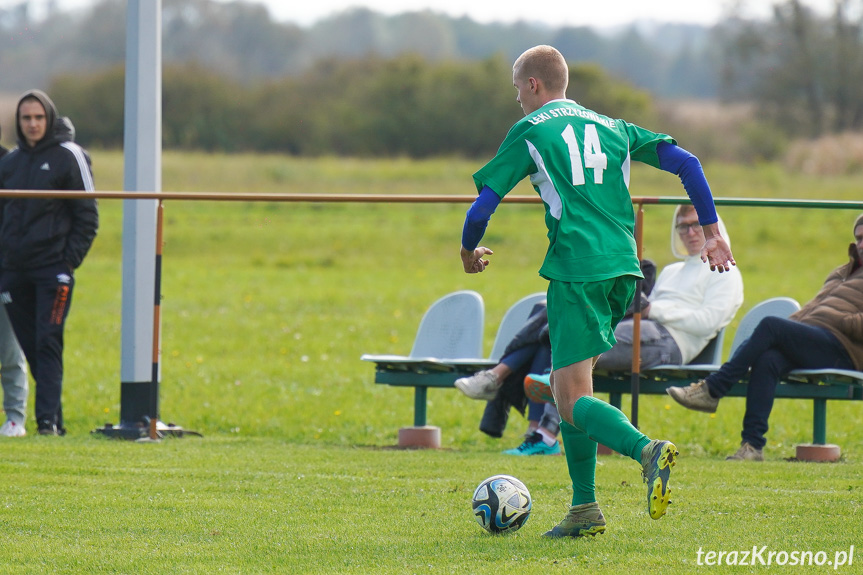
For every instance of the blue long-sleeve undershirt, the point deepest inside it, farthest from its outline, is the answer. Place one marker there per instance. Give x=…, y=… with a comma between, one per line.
x=672, y=158
x=477, y=218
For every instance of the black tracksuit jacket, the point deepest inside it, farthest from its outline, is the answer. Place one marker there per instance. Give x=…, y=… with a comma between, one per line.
x=39, y=232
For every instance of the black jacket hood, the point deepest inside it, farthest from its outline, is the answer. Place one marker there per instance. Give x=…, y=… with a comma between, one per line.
x=64, y=129
x=50, y=113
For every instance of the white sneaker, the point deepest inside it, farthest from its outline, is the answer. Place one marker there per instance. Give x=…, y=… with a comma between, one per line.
x=12, y=429
x=482, y=385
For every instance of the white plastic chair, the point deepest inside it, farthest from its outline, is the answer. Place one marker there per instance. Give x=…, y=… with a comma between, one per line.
x=776, y=306
x=712, y=352
x=513, y=320
x=451, y=328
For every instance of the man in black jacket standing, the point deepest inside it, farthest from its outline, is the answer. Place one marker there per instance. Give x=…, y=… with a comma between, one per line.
x=42, y=242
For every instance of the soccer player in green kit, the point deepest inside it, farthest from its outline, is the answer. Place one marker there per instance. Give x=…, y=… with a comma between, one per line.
x=579, y=162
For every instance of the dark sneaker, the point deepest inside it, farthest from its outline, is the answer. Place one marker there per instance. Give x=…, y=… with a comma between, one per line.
x=47, y=427
x=746, y=453
x=534, y=445
x=580, y=520
x=537, y=388
x=657, y=459
x=695, y=396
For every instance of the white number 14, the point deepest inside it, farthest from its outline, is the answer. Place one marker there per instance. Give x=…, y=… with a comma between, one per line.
x=593, y=157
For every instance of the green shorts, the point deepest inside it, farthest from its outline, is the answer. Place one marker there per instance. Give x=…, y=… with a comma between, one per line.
x=582, y=317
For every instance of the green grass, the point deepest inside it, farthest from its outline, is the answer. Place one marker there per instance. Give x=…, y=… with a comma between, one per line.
x=265, y=505
x=266, y=311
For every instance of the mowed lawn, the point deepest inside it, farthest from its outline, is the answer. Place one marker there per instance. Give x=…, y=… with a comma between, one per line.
x=266, y=310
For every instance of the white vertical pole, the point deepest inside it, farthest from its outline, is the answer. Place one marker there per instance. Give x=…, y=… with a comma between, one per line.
x=139, y=369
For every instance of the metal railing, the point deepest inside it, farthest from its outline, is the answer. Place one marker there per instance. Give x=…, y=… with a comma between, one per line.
x=638, y=202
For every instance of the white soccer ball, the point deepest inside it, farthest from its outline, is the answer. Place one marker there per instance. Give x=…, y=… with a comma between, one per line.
x=501, y=504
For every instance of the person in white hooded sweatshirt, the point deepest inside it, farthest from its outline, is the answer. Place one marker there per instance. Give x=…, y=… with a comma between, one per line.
x=686, y=308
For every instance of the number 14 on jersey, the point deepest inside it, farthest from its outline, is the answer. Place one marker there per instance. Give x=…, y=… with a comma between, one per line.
x=594, y=159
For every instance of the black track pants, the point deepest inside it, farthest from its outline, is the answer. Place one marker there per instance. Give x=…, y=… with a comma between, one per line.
x=37, y=302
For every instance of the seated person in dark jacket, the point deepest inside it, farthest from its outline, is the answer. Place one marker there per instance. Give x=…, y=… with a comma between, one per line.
x=528, y=352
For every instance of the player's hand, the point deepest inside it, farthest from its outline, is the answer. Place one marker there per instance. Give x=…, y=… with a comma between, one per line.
x=717, y=253
x=473, y=261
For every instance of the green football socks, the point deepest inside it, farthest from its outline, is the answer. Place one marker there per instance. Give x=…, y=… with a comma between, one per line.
x=581, y=461
x=605, y=424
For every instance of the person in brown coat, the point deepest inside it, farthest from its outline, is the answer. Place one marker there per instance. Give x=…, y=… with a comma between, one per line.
x=827, y=333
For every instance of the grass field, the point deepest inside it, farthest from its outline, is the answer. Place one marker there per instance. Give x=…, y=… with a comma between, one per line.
x=266, y=311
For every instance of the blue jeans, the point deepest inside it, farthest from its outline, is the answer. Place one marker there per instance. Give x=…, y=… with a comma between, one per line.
x=775, y=347
x=538, y=356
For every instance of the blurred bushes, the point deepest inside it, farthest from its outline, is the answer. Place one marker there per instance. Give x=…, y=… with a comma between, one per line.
x=836, y=154
x=403, y=106
x=722, y=132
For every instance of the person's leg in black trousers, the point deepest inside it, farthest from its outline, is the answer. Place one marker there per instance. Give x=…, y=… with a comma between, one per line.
x=38, y=306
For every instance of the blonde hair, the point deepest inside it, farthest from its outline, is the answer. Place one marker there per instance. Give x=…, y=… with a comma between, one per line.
x=685, y=210
x=545, y=64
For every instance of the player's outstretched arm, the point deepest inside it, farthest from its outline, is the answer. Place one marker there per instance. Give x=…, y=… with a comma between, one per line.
x=473, y=261
x=475, y=223
x=716, y=251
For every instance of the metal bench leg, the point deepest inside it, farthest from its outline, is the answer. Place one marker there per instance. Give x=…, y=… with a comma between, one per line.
x=819, y=449
x=420, y=435
x=819, y=422
x=420, y=396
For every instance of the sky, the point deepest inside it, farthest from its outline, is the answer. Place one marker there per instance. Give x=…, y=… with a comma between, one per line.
x=597, y=14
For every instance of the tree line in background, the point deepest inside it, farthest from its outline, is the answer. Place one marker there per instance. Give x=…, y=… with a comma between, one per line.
x=423, y=84
x=241, y=40
x=805, y=73
x=404, y=106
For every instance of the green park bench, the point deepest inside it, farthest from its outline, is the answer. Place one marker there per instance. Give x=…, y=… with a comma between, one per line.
x=819, y=386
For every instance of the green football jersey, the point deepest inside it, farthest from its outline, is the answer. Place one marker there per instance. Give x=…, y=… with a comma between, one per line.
x=578, y=162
